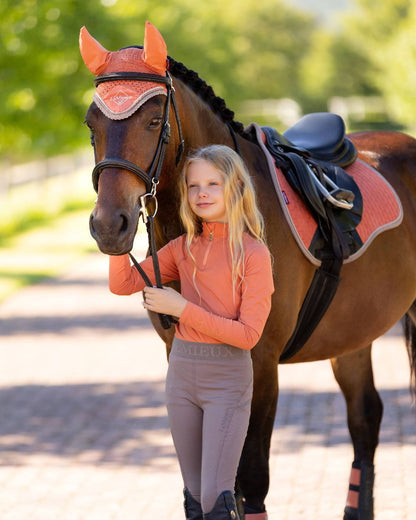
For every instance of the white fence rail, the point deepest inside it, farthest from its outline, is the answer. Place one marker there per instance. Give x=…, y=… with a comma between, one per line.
x=46, y=186
x=41, y=170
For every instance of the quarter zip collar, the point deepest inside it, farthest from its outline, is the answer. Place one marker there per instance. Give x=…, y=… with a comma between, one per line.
x=211, y=230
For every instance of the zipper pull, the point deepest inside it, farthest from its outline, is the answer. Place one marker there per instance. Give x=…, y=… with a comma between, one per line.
x=211, y=236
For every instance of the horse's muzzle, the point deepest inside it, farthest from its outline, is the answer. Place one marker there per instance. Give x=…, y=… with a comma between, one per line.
x=114, y=234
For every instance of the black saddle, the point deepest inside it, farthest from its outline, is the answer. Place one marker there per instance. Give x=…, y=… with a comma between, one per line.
x=322, y=135
x=312, y=155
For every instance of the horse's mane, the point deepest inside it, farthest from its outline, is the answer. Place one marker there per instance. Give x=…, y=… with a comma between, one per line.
x=206, y=93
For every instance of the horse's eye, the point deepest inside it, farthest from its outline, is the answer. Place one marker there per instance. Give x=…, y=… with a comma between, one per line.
x=155, y=122
x=91, y=129
x=92, y=138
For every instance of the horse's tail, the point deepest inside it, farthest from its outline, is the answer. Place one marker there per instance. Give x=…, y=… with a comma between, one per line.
x=410, y=335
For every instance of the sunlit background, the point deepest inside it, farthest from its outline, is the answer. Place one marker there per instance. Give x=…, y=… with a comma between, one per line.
x=271, y=60
x=84, y=432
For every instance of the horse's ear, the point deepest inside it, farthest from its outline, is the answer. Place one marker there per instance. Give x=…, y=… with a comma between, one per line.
x=155, y=51
x=95, y=56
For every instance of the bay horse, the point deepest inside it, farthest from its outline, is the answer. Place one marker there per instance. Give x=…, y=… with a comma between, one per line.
x=377, y=289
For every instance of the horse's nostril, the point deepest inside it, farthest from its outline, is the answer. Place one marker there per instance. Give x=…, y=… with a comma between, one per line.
x=113, y=231
x=92, y=228
x=124, y=223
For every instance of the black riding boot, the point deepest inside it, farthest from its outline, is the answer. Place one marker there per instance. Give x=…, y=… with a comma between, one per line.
x=192, y=508
x=225, y=508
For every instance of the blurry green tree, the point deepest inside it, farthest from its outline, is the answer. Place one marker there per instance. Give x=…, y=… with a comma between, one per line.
x=374, y=53
x=334, y=66
x=43, y=85
x=387, y=36
x=244, y=50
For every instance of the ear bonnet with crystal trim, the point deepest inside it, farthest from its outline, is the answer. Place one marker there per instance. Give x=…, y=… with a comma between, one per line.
x=119, y=99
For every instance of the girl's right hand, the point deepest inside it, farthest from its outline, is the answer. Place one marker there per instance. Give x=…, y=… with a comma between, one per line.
x=164, y=301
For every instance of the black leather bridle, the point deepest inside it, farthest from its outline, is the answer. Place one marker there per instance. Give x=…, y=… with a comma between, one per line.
x=151, y=177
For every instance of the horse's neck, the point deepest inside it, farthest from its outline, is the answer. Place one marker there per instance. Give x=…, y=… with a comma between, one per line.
x=201, y=125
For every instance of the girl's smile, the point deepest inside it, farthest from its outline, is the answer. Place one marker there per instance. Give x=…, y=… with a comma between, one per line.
x=206, y=191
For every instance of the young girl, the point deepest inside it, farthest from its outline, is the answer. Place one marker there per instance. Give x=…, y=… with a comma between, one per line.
x=226, y=280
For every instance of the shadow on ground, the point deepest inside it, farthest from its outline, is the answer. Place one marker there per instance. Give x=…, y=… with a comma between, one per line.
x=66, y=324
x=126, y=423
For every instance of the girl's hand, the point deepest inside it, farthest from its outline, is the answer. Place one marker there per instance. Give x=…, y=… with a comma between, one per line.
x=165, y=301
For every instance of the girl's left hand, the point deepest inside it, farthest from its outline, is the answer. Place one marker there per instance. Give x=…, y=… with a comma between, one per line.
x=165, y=301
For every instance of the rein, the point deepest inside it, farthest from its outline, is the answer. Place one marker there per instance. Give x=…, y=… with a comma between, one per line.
x=150, y=178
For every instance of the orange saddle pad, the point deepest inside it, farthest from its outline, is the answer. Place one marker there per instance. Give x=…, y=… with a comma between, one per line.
x=382, y=209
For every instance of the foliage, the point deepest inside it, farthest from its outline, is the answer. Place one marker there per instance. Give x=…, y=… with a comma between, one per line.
x=399, y=82
x=42, y=80
x=391, y=45
x=244, y=50
x=335, y=66
x=375, y=53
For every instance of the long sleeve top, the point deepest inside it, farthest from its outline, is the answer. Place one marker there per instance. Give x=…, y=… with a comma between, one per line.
x=213, y=314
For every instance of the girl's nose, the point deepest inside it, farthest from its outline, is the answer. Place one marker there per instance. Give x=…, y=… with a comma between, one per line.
x=202, y=193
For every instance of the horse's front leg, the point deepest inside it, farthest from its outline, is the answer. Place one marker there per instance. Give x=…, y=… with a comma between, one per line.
x=253, y=472
x=354, y=374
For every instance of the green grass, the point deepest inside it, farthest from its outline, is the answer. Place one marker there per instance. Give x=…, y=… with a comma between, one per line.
x=43, y=251
x=43, y=230
x=34, y=218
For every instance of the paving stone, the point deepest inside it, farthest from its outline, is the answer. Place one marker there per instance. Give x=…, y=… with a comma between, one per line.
x=84, y=433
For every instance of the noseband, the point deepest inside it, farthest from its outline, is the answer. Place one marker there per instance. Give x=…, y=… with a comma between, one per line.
x=150, y=178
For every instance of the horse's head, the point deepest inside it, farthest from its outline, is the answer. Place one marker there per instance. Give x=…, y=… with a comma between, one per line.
x=129, y=123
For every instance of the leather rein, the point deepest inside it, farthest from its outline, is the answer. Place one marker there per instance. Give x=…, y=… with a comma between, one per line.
x=151, y=177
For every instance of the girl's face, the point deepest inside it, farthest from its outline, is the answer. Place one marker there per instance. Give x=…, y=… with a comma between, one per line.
x=206, y=191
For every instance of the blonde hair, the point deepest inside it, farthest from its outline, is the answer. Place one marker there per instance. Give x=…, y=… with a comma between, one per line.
x=242, y=212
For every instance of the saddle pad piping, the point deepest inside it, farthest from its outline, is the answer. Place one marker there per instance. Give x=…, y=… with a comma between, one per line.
x=283, y=205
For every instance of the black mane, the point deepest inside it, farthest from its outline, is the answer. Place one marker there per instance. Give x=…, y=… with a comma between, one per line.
x=205, y=92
